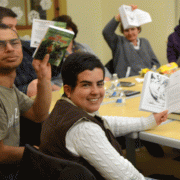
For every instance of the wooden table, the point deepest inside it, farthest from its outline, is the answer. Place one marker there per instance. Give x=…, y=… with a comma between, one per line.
x=131, y=109
x=56, y=95
x=166, y=134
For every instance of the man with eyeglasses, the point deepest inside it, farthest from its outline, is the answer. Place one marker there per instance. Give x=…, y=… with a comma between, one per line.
x=26, y=79
x=26, y=75
x=15, y=43
x=14, y=103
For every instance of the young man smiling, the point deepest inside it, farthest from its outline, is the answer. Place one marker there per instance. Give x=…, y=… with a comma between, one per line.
x=75, y=131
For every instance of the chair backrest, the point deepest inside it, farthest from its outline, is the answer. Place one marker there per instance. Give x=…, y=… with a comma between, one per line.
x=37, y=165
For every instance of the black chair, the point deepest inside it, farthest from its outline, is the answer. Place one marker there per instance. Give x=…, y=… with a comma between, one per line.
x=37, y=165
x=29, y=132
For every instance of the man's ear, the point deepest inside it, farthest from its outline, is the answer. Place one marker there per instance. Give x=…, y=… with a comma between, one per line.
x=67, y=90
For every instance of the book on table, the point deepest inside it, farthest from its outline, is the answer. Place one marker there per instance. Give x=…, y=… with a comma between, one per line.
x=55, y=42
x=160, y=92
x=174, y=116
x=39, y=28
x=133, y=18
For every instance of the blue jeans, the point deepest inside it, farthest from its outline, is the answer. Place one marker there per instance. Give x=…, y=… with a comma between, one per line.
x=149, y=178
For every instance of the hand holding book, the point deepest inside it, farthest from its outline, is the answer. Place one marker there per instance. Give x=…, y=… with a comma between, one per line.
x=161, y=117
x=55, y=42
x=133, y=17
x=160, y=92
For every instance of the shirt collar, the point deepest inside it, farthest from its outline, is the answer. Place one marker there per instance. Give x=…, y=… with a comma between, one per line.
x=138, y=44
x=96, y=113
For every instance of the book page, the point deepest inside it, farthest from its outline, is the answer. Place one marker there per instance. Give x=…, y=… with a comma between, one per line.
x=142, y=16
x=173, y=93
x=39, y=29
x=153, y=92
x=127, y=17
x=133, y=18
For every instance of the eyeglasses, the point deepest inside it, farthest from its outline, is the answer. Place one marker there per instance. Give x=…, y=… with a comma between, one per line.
x=15, y=43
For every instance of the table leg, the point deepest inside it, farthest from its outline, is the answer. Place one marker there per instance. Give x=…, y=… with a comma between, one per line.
x=130, y=150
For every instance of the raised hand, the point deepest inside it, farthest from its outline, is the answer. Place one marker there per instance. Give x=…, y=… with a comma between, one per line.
x=42, y=68
x=161, y=117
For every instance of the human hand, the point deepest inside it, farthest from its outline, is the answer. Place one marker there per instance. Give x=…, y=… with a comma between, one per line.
x=161, y=117
x=55, y=88
x=32, y=88
x=37, y=147
x=118, y=18
x=133, y=7
x=42, y=68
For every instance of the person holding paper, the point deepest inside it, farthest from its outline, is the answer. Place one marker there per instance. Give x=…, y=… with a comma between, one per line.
x=128, y=50
x=75, y=130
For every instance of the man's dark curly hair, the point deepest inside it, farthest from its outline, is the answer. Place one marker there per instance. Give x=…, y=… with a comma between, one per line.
x=5, y=12
x=70, y=24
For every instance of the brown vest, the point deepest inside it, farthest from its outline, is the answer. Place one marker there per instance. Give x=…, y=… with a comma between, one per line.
x=54, y=130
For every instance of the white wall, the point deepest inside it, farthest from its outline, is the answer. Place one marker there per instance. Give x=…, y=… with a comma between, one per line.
x=92, y=15
x=87, y=16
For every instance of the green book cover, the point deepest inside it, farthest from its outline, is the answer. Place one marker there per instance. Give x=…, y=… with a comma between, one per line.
x=60, y=24
x=55, y=42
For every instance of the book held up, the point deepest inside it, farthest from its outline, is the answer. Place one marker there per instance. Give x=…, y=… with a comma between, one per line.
x=55, y=42
x=160, y=92
x=39, y=28
x=133, y=18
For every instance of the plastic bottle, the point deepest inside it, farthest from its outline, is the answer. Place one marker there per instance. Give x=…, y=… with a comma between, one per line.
x=114, y=81
x=154, y=68
x=121, y=100
x=114, y=87
x=117, y=92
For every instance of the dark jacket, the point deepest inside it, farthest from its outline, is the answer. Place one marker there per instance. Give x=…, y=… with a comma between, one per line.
x=54, y=130
x=173, y=45
x=25, y=72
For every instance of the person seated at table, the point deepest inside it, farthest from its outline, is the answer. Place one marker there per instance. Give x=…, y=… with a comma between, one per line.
x=128, y=50
x=173, y=45
x=75, y=131
x=74, y=46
